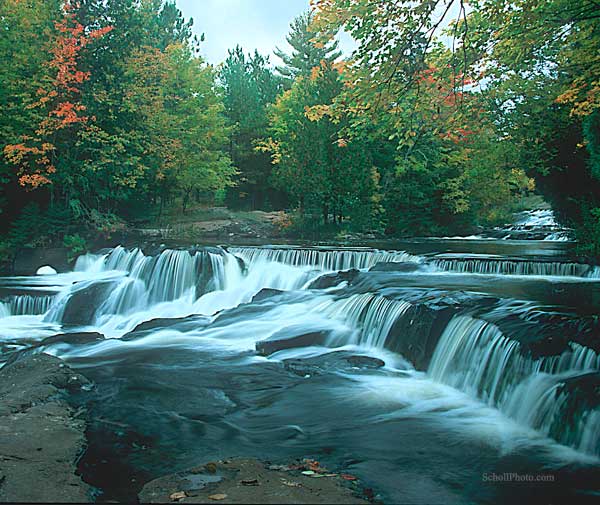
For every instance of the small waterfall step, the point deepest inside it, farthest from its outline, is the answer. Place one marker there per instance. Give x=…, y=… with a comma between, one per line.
x=327, y=259
x=476, y=357
x=502, y=265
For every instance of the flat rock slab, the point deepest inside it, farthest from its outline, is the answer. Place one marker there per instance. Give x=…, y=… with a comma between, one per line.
x=246, y=481
x=40, y=439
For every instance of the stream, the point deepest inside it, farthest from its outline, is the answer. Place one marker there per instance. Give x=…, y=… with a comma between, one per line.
x=441, y=370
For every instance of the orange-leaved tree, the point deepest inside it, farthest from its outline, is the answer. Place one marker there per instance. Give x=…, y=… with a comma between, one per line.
x=36, y=156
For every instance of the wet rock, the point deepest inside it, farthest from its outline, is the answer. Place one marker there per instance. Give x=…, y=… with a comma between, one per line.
x=330, y=280
x=80, y=338
x=40, y=437
x=365, y=362
x=416, y=334
x=548, y=334
x=242, y=480
x=82, y=304
x=27, y=261
x=326, y=363
x=287, y=339
x=181, y=323
x=265, y=293
x=583, y=391
x=395, y=267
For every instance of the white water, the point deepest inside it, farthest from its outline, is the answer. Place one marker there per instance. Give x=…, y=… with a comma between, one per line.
x=501, y=266
x=472, y=355
x=322, y=259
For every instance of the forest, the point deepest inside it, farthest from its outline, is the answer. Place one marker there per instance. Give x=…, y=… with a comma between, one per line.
x=443, y=119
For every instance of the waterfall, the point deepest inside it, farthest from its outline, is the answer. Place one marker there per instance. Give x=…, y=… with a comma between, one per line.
x=30, y=305
x=474, y=356
x=26, y=305
x=144, y=281
x=371, y=314
x=499, y=266
x=323, y=259
x=594, y=273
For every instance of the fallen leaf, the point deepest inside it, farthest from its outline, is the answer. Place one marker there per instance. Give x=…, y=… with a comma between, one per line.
x=347, y=476
x=330, y=475
x=179, y=495
x=219, y=496
x=308, y=472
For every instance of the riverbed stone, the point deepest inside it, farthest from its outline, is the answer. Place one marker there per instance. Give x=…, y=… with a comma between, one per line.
x=288, y=339
x=334, y=279
x=84, y=302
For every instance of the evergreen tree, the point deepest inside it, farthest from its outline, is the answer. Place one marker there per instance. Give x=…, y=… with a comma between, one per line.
x=306, y=52
x=249, y=87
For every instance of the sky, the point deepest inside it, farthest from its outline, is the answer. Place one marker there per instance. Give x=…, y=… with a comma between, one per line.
x=253, y=24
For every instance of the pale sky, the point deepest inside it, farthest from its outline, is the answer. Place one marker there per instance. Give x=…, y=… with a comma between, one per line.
x=253, y=24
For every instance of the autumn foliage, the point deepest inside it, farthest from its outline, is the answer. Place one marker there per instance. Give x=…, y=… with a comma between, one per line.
x=60, y=101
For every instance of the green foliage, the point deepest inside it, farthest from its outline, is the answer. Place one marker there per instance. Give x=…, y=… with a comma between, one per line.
x=36, y=226
x=513, y=90
x=588, y=233
x=111, y=104
x=249, y=87
x=306, y=52
x=76, y=245
x=324, y=173
x=134, y=120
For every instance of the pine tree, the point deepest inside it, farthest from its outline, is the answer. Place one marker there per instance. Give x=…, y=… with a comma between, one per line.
x=306, y=53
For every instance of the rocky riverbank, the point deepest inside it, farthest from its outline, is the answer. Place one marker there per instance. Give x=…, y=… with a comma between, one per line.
x=251, y=481
x=41, y=436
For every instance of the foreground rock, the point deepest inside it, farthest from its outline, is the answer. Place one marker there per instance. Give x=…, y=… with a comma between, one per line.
x=251, y=481
x=40, y=437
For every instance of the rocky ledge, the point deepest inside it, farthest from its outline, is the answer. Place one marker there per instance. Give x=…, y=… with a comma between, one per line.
x=242, y=480
x=41, y=436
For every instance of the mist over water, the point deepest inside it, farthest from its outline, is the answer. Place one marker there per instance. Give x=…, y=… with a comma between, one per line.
x=423, y=371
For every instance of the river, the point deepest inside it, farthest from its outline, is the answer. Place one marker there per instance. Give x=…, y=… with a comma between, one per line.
x=443, y=370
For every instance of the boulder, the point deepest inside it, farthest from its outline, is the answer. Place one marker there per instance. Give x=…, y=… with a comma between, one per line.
x=265, y=293
x=27, y=261
x=289, y=338
x=186, y=323
x=333, y=279
x=82, y=304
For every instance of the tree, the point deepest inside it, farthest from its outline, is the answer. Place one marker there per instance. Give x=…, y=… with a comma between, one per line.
x=249, y=87
x=37, y=157
x=307, y=53
x=28, y=30
x=180, y=114
x=327, y=176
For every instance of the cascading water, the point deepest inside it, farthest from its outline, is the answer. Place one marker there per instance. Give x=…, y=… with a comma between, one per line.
x=474, y=356
x=323, y=259
x=500, y=266
x=203, y=305
x=373, y=315
x=19, y=305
